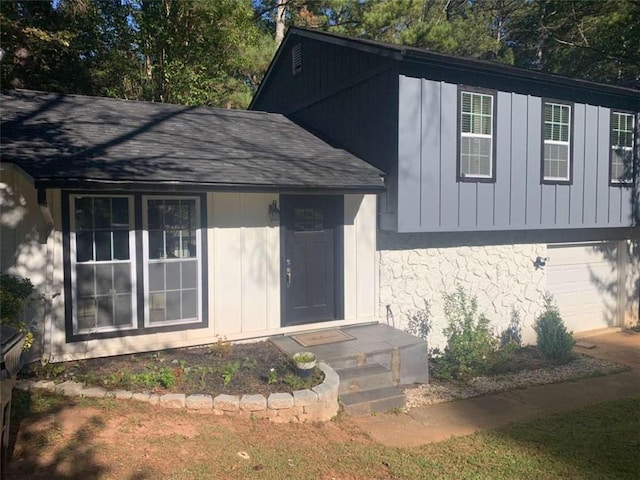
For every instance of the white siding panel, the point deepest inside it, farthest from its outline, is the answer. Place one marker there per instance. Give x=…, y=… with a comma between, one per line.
x=366, y=238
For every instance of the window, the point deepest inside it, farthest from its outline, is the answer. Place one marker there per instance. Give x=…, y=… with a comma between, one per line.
x=172, y=260
x=135, y=264
x=102, y=262
x=476, y=160
x=557, y=142
x=622, y=140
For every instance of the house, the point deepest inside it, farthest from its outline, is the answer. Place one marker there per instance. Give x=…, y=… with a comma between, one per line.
x=148, y=226
x=507, y=182
x=381, y=177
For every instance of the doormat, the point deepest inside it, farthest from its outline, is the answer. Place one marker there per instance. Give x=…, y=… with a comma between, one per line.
x=321, y=338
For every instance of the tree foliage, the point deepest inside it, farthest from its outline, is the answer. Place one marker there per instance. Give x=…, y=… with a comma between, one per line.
x=215, y=52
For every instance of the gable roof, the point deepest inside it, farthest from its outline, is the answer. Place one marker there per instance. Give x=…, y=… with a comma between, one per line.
x=78, y=141
x=419, y=62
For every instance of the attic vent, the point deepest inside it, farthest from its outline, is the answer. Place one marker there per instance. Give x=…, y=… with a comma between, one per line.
x=296, y=59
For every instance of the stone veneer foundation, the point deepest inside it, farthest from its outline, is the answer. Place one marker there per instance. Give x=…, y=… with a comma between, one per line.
x=318, y=404
x=419, y=267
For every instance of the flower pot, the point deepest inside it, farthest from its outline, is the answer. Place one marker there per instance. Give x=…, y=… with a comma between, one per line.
x=305, y=363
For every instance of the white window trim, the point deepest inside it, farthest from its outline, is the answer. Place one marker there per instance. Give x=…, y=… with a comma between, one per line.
x=477, y=135
x=558, y=142
x=146, y=260
x=131, y=261
x=615, y=147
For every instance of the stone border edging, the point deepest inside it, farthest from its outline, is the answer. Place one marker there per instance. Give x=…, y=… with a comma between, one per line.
x=318, y=404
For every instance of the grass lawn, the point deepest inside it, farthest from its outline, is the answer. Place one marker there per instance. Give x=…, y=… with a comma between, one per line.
x=64, y=438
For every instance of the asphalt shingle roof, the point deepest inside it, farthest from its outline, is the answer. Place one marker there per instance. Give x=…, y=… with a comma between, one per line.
x=62, y=139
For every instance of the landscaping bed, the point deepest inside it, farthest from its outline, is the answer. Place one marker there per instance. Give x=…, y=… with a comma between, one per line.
x=220, y=368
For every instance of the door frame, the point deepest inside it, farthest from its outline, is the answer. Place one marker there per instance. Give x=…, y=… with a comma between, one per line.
x=338, y=239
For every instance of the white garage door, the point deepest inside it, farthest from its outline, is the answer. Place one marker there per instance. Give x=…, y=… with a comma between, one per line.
x=584, y=280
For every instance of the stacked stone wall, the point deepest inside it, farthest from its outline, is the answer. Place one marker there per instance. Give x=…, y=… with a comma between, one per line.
x=413, y=268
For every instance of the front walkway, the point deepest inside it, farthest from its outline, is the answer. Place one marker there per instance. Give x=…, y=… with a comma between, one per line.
x=438, y=422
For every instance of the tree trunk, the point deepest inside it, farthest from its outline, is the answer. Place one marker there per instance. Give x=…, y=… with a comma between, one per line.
x=280, y=21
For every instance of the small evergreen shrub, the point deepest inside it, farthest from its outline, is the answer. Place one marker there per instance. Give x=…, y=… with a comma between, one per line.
x=419, y=323
x=471, y=346
x=554, y=341
x=512, y=335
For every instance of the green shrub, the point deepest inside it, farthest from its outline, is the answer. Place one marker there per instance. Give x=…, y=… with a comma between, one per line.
x=15, y=294
x=471, y=346
x=554, y=341
x=419, y=323
x=512, y=335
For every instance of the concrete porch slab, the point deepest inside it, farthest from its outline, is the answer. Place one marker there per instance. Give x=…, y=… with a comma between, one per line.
x=403, y=354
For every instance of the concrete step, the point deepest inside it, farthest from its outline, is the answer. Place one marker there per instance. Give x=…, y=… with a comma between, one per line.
x=363, y=377
x=360, y=404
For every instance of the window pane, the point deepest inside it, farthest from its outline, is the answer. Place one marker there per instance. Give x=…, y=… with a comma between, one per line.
x=173, y=276
x=173, y=306
x=104, y=279
x=85, y=280
x=124, y=316
x=105, y=311
x=156, y=244
x=318, y=219
x=121, y=245
x=156, y=307
x=84, y=246
x=189, y=274
x=189, y=303
x=466, y=123
x=102, y=212
x=122, y=277
x=156, y=277
x=84, y=211
x=172, y=243
x=154, y=214
x=103, y=246
x=120, y=210
x=171, y=214
x=86, y=313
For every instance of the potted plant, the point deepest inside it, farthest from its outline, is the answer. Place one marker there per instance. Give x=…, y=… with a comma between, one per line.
x=305, y=363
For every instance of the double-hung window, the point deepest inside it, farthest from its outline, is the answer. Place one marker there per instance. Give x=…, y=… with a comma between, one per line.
x=476, y=158
x=622, y=141
x=172, y=257
x=102, y=263
x=557, y=142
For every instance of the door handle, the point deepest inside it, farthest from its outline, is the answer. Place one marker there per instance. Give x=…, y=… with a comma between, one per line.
x=288, y=273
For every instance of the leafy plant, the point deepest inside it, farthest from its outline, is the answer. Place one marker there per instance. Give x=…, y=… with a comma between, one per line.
x=554, y=341
x=15, y=294
x=272, y=377
x=229, y=371
x=419, y=323
x=470, y=343
x=220, y=349
x=304, y=357
x=293, y=381
x=512, y=335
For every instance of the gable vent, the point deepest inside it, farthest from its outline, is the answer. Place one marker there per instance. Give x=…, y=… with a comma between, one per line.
x=296, y=59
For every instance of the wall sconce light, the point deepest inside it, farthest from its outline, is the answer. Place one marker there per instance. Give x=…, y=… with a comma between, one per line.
x=540, y=262
x=274, y=211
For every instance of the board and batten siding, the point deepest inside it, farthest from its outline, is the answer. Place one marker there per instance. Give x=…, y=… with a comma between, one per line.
x=430, y=199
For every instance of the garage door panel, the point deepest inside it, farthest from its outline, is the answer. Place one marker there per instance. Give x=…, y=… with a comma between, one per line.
x=584, y=282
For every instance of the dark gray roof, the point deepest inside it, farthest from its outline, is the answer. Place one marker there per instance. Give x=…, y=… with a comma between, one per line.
x=67, y=140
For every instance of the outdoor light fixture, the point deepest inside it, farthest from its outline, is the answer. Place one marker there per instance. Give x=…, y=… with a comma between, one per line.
x=274, y=211
x=540, y=262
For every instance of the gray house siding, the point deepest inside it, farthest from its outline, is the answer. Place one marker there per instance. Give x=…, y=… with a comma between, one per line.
x=430, y=199
x=347, y=97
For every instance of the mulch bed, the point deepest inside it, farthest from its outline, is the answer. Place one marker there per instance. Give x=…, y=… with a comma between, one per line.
x=221, y=368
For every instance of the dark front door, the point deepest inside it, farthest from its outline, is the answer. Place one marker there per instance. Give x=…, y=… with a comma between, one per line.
x=311, y=258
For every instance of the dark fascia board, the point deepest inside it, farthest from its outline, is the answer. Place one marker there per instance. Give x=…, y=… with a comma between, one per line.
x=202, y=187
x=423, y=63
